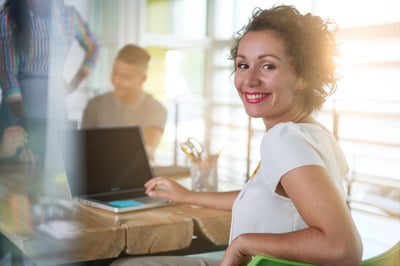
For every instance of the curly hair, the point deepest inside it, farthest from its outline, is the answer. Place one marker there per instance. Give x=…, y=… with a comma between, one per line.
x=309, y=42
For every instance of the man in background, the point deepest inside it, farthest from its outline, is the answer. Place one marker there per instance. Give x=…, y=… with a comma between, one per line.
x=128, y=104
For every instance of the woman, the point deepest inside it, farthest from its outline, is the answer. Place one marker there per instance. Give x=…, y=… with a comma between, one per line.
x=36, y=36
x=295, y=206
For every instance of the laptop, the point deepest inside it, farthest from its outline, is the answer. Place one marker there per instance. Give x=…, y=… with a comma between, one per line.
x=107, y=168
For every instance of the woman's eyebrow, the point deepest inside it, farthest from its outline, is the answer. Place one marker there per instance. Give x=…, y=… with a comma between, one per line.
x=268, y=55
x=260, y=56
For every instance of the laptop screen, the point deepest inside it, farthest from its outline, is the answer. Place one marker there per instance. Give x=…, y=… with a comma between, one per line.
x=105, y=160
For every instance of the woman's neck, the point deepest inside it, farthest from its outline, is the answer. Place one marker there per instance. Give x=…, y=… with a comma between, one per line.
x=295, y=116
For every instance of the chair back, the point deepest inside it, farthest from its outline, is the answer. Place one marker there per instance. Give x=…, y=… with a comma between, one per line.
x=269, y=261
x=389, y=257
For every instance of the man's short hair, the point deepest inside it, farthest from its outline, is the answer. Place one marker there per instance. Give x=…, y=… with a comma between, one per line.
x=133, y=54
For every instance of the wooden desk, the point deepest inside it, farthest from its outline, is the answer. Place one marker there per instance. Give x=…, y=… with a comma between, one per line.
x=46, y=225
x=150, y=231
x=157, y=229
x=170, y=228
x=51, y=230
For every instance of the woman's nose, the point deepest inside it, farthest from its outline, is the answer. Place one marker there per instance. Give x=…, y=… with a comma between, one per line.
x=251, y=78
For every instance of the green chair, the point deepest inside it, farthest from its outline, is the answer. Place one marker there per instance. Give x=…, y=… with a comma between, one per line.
x=390, y=257
x=269, y=261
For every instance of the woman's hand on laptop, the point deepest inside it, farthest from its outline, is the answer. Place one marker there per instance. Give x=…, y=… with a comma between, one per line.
x=163, y=187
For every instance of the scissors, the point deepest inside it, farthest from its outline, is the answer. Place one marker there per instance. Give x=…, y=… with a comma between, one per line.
x=193, y=149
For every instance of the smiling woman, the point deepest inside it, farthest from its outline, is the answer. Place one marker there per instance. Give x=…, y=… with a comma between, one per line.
x=295, y=205
x=312, y=79
x=315, y=66
x=266, y=80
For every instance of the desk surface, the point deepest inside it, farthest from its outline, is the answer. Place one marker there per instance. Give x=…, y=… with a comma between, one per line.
x=41, y=220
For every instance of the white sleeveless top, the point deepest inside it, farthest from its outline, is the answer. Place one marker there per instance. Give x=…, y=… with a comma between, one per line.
x=286, y=146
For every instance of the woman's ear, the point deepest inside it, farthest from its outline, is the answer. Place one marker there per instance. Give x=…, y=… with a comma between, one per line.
x=302, y=85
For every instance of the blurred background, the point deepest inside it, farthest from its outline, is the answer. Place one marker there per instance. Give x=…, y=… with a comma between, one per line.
x=189, y=42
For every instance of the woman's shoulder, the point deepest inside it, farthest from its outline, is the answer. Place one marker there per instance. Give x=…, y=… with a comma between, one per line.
x=291, y=129
x=4, y=15
x=69, y=10
x=5, y=21
x=285, y=129
x=290, y=134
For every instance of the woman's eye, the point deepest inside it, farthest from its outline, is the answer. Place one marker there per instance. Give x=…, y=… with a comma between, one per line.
x=268, y=66
x=242, y=66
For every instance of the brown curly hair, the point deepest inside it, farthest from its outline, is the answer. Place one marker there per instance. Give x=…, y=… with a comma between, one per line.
x=309, y=42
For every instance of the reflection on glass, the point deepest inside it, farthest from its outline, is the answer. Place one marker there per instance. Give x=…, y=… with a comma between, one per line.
x=183, y=88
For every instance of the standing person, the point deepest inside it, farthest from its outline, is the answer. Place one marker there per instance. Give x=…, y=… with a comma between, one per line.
x=36, y=36
x=128, y=104
x=295, y=205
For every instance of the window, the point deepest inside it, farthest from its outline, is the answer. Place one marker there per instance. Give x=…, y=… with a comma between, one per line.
x=367, y=103
x=191, y=73
x=206, y=78
x=177, y=70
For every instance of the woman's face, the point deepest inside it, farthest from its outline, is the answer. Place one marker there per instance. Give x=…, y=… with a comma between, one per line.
x=265, y=79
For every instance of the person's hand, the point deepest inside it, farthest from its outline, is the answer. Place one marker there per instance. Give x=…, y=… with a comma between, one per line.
x=69, y=88
x=13, y=138
x=13, y=144
x=162, y=187
x=234, y=254
x=27, y=156
x=76, y=80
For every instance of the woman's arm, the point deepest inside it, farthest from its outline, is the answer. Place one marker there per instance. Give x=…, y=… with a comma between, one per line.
x=88, y=42
x=9, y=63
x=163, y=187
x=331, y=237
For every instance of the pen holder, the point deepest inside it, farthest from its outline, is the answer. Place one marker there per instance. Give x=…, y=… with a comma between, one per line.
x=204, y=176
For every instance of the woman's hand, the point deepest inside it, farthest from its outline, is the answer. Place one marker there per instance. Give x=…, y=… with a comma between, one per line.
x=13, y=144
x=13, y=138
x=27, y=156
x=234, y=255
x=162, y=187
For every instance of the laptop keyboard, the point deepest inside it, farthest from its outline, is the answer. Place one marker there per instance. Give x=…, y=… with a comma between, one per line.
x=119, y=196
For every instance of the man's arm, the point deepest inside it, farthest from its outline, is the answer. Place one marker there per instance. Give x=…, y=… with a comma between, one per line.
x=88, y=116
x=152, y=137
